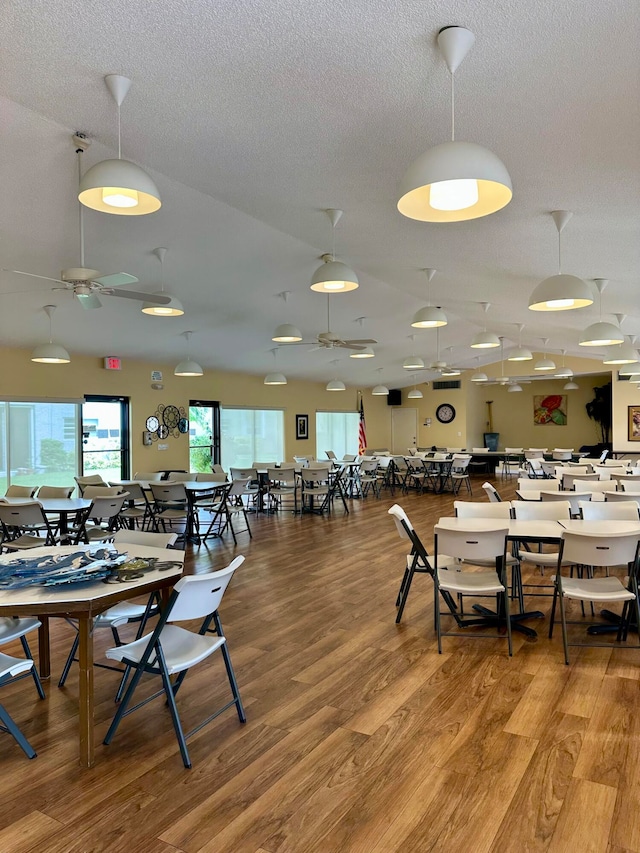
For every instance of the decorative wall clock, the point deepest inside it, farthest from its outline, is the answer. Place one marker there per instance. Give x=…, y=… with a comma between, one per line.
x=167, y=421
x=445, y=413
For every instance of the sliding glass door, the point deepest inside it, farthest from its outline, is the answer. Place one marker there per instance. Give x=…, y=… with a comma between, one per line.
x=204, y=435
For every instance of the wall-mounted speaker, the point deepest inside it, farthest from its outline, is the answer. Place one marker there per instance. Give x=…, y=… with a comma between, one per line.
x=394, y=397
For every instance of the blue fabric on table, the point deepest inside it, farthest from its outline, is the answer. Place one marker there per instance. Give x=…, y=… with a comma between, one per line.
x=54, y=569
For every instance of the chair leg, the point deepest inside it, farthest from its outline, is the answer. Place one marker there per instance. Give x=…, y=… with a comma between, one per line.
x=69, y=661
x=34, y=670
x=12, y=728
x=402, y=584
x=173, y=709
x=563, y=619
x=405, y=595
x=123, y=706
x=230, y=672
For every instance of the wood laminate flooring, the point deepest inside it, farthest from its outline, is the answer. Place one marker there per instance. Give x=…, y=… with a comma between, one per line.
x=359, y=736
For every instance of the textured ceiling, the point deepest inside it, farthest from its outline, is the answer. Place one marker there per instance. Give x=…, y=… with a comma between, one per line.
x=255, y=116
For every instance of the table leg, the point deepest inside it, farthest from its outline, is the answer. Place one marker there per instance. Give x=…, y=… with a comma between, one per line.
x=85, y=716
x=44, y=652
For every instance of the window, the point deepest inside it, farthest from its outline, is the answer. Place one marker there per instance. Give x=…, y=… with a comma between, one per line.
x=38, y=443
x=204, y=435
x=337, y=431
x=105, y=437
x=251, y=435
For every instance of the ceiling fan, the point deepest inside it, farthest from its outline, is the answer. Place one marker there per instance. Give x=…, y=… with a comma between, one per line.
x=329, y=339
x=87, y=284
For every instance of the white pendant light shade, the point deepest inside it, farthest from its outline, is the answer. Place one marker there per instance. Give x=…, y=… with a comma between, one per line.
x=287, y=334
x=413, y=362
x=172, y=309
x=429, y=317
x=485, y=340
x=544, y=364
x=50, y=354
x=335, y=385
x=334, y=277
x=560, y=293
x=520, y=354
x=564, y=373
x=454, y=182
x=479, y=377
x=365, y=352
x=601, y=334
x=119, y=186
x=512, y=389
x=570, y=386
x=629, y=370
x=415, y=394
x=626, y=353
x=275, y=379
x=188, y=368
x=380, y=391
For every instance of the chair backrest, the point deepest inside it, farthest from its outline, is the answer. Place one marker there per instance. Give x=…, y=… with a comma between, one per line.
x=527, y=484
x=575, y=471
x=211, y=478
x=22, y=515
x=594, y=485
x=537, y=449
x=369, y=466
x=632, y=486
x=148, y=476
x=604, y=511
x=313, y=476
x=606, y=472
x=400, y=463
x=491, y=492
x=384, y=461
x=282, y=476
x=91, y=492
x=217, y=469
x=411, y=451
x=618, y=497
x=415, y=464
x=513, y=450
x=533, y=454
x=538, y=511
x=349, y=457
x=471, y=544
x=180, y=477
x=625, y=478
x=401, y=521
x=302, y=461
x=572, y=481
x=238, y=487
x=613, y=550
x=20, y=492
x=549, y=468
x=603, y=456
x=55, y=491
x=243, y=473
x=104, y=507
x=139, y=537
x=455, y=449
x=480, y=509
x=479, y=449
x=168, y=492
x=92, y=480
x=574, y=499
x=460, y=463
x=562, y=452
x=330, y=454
x=135, y=491
x=198, y=596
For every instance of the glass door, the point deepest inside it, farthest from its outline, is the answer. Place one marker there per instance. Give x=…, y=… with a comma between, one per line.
x=204, y=435
x=105, y=437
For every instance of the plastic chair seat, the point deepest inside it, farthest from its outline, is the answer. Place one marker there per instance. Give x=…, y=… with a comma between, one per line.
x=469, y=583
x=26, y=540
x=120, y=614
x=14, y=666
x=549, y=560
x=595, y=589
x=13, y=629
x=182, y=649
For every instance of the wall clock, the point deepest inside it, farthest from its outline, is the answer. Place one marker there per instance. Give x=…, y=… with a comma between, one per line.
x=445, y=413
x=163, y=432
x=171, y=417
x=183, y=425
x=152, y=423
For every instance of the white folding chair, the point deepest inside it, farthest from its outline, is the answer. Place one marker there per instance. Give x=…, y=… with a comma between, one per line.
x=491, y=492
x=173, y=650
x=11, y=668
x=609, y=511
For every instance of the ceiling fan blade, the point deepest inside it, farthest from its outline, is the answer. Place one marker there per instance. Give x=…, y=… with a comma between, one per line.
x=363, y=341
x=33, y=275
x=296, y=344
x=89, y=300
x=155, y=298
x=347, y=345
x=116, y=279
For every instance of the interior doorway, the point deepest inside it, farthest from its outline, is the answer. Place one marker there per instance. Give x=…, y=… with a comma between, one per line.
x=404, y=429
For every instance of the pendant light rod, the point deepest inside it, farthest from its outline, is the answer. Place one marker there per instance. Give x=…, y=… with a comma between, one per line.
x=48, y=310
x=160, y=254
x=119, y=87
x=80, y=206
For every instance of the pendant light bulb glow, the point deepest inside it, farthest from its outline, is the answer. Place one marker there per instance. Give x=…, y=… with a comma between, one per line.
x=560, y=292
x=454, y=181
x=119, y=186
x=333, y=276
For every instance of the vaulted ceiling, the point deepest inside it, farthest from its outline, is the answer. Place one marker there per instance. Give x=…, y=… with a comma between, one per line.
x=253, y=117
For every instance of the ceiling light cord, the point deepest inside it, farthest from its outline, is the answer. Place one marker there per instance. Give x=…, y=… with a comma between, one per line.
x=453, y=107
x=559, y=252
x=119, y=141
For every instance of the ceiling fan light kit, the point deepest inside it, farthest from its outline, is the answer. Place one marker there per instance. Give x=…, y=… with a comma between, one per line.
x=454, y=181
x=119, y=186
x=50, y=353
x=560, y=292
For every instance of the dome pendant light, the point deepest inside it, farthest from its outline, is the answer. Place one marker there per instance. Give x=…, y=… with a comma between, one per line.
x=484, y=339
x=455, y=181
x=545, y=363
x=520, y=353
x=626, y=353
x=275, y=378
x=479, y=376
x=188, y=367
x=415, y=393
x=601, y=334
x=380, y=390
x=560, y=292
x=119, y=186
x=570, y=386
x=430, y=317
x=564, y=372
x=50, y=353
x=287, y=334
x=333, y=276
x=174, y=308
x=335, y=385
x=514, y=388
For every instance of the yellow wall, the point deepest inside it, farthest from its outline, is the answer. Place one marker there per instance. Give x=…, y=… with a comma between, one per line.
x=86, y=375
x=441, y=435
x=625, y=394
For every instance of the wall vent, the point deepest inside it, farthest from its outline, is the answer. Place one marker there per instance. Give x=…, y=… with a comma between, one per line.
x=446, y=384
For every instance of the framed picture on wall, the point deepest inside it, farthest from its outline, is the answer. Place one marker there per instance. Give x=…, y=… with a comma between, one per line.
x=302, y=427
x=634, y=423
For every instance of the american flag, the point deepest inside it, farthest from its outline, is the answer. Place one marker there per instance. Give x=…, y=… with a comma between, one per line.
x=362, y=431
